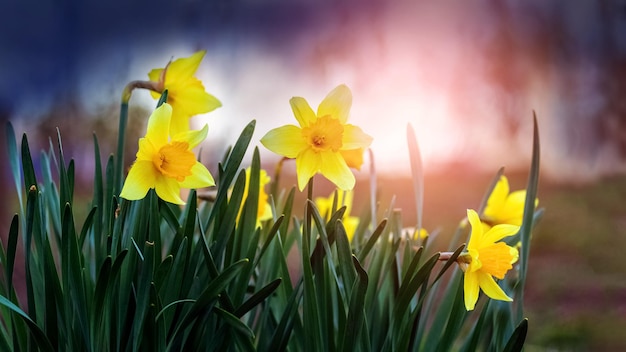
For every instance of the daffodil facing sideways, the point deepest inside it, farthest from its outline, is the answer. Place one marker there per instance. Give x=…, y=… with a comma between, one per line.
x=264, y=210
x=504, y=207
x=323, y=142
x=165, y=164
x=186, y=93
x=485, y=259
x=344, y=198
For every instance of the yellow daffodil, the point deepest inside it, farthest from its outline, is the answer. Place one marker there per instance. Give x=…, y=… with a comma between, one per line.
x=264, y=210
x=504, y=207
x=186, y=93
x=166, y=165
x=420, y=234
x=485, y=259
x=325, y=204
x=323, y=143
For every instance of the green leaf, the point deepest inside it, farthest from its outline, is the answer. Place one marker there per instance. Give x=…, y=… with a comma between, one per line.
x=39, y=336
x=209, y=296
x=529, y=209
x=231, y=167
x=27, y=166
x=10, y=255
x=356, y=313
x=372, y=240
x=257, y=298
x=516, y=342
x=417, y=171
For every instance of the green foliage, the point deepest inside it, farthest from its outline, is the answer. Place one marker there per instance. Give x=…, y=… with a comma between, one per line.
x=148, y=275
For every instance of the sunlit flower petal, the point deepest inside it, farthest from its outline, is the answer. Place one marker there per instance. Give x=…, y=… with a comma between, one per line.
x=286, y=140
x=302, y=111
x=182, y=69
x=491, y=288
x=192, y=137
x=168, y=189
x=200, y=177
x=354, y=157
x=334, y=168
x=470, y=289
x=308, y=163
x=337, y=104
x=140, y=179
x=355, y=138
x=504, y=207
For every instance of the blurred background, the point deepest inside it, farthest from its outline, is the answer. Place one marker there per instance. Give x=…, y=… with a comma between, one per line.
x=466, y=76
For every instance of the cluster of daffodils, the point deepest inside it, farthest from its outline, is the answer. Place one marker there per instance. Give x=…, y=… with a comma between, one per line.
x=323, y=142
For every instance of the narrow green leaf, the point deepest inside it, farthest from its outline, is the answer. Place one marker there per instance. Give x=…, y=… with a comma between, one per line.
x=234, y=323
x=10, y=255
x=39, y=336
x=27, y=166
x=372, y=240
x=207, y=299
x=516, y=342
x=417, y=171
x=257, y=298
x=527, y=220
x=231, y=167
x=356, y=313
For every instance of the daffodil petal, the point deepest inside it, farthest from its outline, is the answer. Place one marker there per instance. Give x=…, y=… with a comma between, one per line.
x=286, y=140
x=335, y=169
x=200, y=177
x=192, y=137
x=168, y=189
x=159, y=125
x=193, y=99
x=179, y=123
x=497, y=197
x=499, y=232
x=354, y=157
x=140, y=179
x=491, y=288
x=470, y=289
x=183, y=68
x=477, y=229
x=154, y=75
x=308, y=163
x=355, y=138
x=146, y=150
x=337, y=104
x=302, y=111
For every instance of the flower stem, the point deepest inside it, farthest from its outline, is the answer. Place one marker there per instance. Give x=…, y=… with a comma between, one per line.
x=119, y=156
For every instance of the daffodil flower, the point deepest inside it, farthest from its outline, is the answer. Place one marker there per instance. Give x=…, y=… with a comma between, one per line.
x=264, y=209
x=166, y=165
x=504, y=207
x=485, y=259
x=186, y=93
x=324, y=142
x=325, y=204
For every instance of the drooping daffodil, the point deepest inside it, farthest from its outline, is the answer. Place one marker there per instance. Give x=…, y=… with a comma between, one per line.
x=264, y=209
x=186, y=93
x=166, y=164
x=344, y=198
x=504, y=207
x=323, y=142
x=485, y=259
